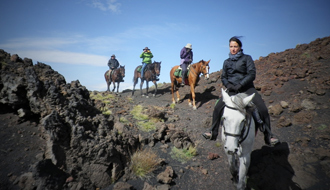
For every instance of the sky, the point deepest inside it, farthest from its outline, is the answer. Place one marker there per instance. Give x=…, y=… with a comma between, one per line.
x=77, y=37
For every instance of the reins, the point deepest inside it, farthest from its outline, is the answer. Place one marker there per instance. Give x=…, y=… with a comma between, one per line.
x=195, y=72
x=246, y=123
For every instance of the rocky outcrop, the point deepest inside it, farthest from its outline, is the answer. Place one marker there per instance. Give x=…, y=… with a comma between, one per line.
x=77, y=154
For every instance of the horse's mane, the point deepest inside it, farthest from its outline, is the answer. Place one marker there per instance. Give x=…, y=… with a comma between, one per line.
x=238, y=101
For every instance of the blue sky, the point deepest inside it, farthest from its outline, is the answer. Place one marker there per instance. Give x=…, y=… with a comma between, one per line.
x=77, y=37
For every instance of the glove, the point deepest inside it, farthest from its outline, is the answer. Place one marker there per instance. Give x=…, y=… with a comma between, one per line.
x=230, y=87
x=237, y=87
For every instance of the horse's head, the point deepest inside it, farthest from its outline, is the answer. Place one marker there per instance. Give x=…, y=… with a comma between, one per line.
x=122, y=71
x=234, y=121
x=157, y=67
x=205, y=68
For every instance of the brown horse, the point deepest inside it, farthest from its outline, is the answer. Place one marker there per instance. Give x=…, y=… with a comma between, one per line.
x=116, y=76
x=193, y=77
x=152, y=71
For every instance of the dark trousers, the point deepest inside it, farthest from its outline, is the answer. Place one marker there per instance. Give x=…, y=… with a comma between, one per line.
x=184, y=67
x=257, y=100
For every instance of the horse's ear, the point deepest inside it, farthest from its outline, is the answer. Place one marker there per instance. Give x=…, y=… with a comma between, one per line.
x=225, y=96
x=248, y=99
x=208, y=61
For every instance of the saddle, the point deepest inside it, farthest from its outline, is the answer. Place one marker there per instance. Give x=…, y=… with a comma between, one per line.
x=139, y=68
x=110, y=74
x=178, y=71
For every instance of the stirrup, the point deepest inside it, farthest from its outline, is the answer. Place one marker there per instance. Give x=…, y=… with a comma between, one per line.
x=207, y=137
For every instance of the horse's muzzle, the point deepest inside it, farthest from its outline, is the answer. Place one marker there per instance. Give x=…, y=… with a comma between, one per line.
x=207, y=76
x=232, y=152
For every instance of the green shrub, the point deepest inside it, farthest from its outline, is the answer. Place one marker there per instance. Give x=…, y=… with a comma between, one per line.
x=183, y=155
x=137, y=113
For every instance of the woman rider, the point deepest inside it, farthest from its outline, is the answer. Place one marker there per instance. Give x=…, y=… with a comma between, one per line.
x=238, y=74
x=146, y=56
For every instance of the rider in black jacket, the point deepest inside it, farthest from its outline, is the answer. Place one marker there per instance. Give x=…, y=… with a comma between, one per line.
x=238, y=75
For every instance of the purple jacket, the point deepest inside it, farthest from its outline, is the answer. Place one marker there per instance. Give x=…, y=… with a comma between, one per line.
x=187, y=56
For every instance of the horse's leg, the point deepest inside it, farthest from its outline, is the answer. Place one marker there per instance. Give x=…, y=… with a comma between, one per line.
x=147, y=84
x=177, y=95
x=135, y=80
x=117, y=86
x=192, y=96
x=155, y=82
x=172, y=91
x=233, y=168
x=108, y=85
x=114, y=85
x=244, y=163
x=141, y=84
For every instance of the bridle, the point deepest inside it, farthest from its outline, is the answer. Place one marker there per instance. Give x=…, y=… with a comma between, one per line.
x=201, y=69
x=246, y=126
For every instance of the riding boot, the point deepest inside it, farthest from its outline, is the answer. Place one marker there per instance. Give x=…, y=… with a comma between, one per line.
x=268, y=136
x=258, y=120
x=183, y=76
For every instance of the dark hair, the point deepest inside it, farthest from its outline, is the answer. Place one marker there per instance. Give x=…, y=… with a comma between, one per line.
x=237, y=40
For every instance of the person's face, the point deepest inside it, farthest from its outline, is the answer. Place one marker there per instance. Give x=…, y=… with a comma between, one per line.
x=234, y=47
x=112, y=57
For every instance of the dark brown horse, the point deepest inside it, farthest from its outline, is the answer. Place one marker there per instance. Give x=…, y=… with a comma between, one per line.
x=193, y=77
x=117, y=75
x=152, y=71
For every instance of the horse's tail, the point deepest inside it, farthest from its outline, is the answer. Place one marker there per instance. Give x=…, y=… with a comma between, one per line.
x=134, y=77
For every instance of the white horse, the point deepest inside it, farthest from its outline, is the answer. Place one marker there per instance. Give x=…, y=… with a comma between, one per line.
x=238, y=133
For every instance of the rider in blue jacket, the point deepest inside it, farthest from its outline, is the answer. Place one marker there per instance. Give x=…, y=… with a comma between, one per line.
x=186, y=56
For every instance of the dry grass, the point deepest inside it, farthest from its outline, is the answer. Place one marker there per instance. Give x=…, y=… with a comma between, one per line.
x=143, y=162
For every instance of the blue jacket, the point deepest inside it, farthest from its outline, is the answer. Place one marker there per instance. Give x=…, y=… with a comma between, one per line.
x=187, y=56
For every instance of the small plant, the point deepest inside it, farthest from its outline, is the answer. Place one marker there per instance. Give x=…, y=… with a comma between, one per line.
x=218, y=144
x=107, y=112
x=147, y=126
x=143, y=162
x=123, y=120
x=322, y=127
x=184, y=155
x=130, y=99
x=104, y=98
x=172, y=106
x=306, y=55
x=137, y=113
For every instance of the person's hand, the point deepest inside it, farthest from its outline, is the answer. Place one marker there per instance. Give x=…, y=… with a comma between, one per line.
x=237, y=87
x=188, y=50
x=230, y=87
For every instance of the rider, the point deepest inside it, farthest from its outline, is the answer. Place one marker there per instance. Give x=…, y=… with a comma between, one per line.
x=186, y=56
x=113, y=63
x=146, y=56
x=238, y=74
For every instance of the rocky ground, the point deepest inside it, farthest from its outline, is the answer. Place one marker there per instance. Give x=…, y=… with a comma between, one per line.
x=54, y=136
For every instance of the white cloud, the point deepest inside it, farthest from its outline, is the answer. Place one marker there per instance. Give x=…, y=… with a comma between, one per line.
x=65, y=57
x=106, y=5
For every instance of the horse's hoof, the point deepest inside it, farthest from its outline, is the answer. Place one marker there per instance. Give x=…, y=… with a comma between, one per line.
x=154, y=95
x=142, y=95
x=194, y=108
x=147, y=96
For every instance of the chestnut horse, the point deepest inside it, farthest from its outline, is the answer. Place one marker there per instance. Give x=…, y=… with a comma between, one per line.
x=116, y=76
x=150, y=74
x=193, y=77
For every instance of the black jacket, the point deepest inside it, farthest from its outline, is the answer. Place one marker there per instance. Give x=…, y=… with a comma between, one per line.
x=242, y=72
x=113, y=63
